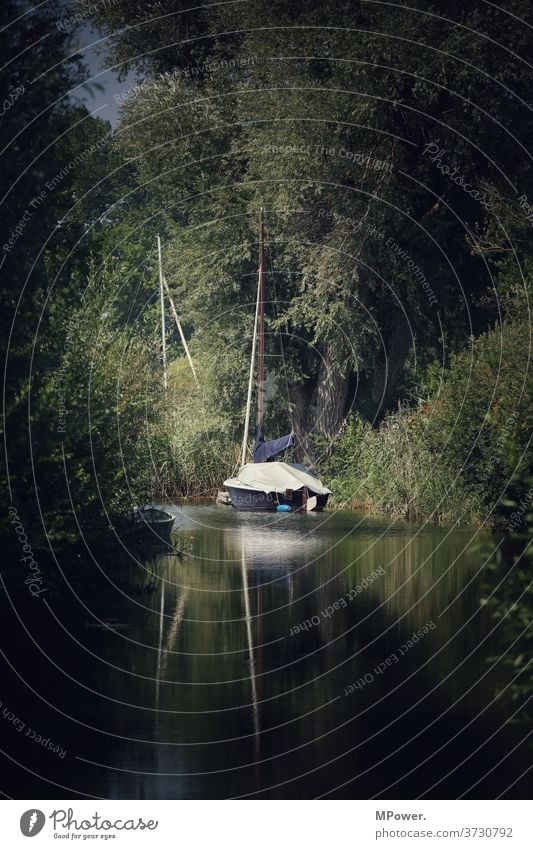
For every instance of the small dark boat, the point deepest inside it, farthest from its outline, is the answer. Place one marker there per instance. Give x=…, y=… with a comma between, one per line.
x=155, y=524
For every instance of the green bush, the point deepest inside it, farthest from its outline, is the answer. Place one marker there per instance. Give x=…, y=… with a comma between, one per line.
x=104, y=405
x=391, y=470
x=202, y=448
x=456, y=455
x=483, y=419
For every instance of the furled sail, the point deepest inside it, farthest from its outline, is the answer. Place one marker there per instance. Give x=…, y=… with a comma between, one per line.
x=265, y=451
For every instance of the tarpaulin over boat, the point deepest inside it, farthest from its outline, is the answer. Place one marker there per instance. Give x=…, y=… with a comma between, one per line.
x=265, y=451
x=277, y=477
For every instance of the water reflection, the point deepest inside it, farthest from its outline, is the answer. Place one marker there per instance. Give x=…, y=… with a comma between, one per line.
x=208, y=686
x=251, y=654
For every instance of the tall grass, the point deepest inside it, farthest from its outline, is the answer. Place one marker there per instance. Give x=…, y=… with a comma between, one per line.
x=392, y=470
x=458, y=454
x=201, y=443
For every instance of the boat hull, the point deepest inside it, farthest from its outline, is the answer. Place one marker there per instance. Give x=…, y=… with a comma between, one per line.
x=251, y=499
x=154, y=525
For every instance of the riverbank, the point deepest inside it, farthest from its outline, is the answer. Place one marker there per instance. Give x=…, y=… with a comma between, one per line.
x=460, y=453
x=457, y=451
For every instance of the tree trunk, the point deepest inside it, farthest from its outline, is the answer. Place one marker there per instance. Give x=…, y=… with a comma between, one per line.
x=376, y=392
x=320, y=408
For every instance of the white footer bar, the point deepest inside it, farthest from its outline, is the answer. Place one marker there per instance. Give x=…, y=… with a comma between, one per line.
x=267, y=824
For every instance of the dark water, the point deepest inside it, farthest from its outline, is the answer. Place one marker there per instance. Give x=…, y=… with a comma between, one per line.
x=181, y=679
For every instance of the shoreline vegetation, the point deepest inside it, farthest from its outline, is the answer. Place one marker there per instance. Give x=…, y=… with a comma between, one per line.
x=459, y=452
x=462, y=452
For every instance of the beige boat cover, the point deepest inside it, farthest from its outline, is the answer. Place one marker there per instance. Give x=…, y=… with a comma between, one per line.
x=277, y=477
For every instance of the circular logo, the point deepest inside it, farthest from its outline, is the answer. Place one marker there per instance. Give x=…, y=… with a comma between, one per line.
x=32, y=822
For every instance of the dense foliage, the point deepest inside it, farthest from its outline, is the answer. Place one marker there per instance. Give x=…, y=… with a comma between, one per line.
x=388, y=147
x=462, y=450
x=379, y=142
x=80, y=398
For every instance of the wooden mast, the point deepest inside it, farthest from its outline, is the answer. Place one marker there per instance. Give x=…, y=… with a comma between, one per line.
x=261, y=318
x=250, y=384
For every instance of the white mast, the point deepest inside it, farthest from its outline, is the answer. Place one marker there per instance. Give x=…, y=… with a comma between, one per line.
x=163, y=329
x=250, y=380
x=182, y=335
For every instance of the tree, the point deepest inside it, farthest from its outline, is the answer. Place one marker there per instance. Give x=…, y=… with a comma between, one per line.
x=372, y=135
x=62, y=190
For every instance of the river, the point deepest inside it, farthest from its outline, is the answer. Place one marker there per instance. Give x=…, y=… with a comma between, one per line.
x=291, y=656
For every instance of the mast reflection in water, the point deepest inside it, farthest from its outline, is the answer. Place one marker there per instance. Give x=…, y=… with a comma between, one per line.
x=225, y=674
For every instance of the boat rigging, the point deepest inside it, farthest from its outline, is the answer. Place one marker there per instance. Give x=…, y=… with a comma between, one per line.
x=268, y=484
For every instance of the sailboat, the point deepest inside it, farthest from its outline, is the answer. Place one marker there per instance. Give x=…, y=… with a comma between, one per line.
x=268, y=483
